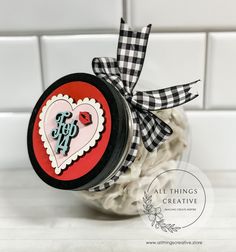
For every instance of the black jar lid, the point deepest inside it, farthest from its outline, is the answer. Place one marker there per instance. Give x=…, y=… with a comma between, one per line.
x=78, y=132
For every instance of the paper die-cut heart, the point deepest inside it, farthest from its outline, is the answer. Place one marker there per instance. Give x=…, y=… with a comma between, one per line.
x=87, y=136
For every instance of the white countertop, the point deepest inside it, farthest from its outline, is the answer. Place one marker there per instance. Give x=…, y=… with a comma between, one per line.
x=35, y=217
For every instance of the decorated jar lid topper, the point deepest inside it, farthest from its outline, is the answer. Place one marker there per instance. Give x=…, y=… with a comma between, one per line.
x=85, y=130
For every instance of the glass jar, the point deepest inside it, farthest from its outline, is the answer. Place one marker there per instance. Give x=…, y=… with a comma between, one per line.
x=125, y=197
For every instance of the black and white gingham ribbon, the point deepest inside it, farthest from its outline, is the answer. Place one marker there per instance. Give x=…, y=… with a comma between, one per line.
x=123, y=73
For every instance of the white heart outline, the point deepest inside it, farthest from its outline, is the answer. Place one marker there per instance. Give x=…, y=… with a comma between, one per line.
x=87, y=147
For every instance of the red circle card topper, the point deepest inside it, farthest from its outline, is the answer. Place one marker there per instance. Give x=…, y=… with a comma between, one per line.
x=75, y=128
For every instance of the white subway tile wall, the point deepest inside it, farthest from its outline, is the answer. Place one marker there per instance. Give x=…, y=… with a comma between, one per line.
x=40, y=16
x=221, y=72
x=20, y=74
x=213, y=141
x=174, y=59
x=40, y=41
x=13, y=132
x=181, y=15
x=63, y=55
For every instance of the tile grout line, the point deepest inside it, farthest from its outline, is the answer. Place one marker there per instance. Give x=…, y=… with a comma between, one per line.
x=205, y=72
x=58, y=32
x=124, y=8
x=41, y=63
x=107, y=31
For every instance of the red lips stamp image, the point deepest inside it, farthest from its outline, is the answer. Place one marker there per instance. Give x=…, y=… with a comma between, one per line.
x=85, y=118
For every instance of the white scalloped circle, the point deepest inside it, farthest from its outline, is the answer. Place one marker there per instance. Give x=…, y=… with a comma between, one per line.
x=87, y=147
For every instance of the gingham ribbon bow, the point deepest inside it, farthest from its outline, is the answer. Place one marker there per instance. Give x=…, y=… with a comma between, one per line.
x=124, y=73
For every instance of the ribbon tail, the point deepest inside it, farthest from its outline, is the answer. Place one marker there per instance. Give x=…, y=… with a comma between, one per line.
x=131, y=50
x=164, y=98
x=107, y=69
x=153, y=130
